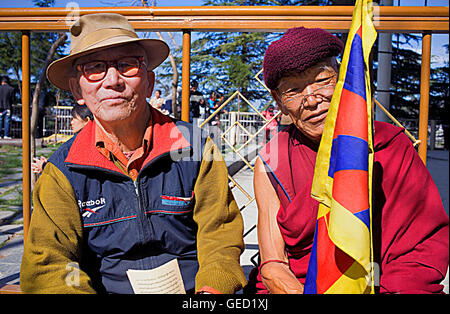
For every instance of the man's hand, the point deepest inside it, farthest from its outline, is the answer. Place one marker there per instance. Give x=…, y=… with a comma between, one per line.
x=38, y=164
x=279, y=279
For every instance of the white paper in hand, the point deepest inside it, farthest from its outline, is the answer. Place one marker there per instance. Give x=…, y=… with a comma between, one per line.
x=165, y=279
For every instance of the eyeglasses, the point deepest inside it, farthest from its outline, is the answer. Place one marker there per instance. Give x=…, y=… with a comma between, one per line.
x=324, y=91
x=95, y=71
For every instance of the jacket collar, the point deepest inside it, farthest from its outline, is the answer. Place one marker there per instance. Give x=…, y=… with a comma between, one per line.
x=166, y=137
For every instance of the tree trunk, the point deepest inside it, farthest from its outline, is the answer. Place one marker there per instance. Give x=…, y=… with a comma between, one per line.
x=37, y=91
x=174, y=81
x=174, y=68
x=175, y=112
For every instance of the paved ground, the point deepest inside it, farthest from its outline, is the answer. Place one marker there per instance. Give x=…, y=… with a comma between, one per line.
x=11, y=234
x=250, y=216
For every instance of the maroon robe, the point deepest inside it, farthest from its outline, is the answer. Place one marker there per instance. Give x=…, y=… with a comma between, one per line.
x=410, y=225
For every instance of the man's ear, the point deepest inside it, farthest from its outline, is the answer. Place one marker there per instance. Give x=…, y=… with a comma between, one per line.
x=151, y=83
x=76, y=91
x=277, y=99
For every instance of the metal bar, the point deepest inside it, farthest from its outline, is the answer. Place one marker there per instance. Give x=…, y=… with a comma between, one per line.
x=237, y=153
x=26, y=158
x=260, y=130
x=186, y=72
x=249, y=230
x=218, y=109
x=322, y=11
x=255, y=25
x=260, y=81
x=412, y=138
x=424, y=95
x=240, y=188
x=333, y=18
x=250, y=104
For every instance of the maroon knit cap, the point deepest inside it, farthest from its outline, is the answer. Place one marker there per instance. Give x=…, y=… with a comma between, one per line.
x=298, y=49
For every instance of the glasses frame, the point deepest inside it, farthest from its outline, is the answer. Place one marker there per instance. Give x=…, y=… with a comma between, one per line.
x=313, y=93
x=111, y=63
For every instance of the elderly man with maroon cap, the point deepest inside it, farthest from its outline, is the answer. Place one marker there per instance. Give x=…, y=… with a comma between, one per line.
x=410, y=226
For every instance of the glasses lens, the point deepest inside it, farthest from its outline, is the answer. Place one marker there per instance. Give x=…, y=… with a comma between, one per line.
x=325, y=91
x=128, y=66
x=95, y=70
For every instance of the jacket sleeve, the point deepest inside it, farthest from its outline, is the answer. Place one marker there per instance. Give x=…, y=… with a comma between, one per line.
x=220, y=226
x=414, y=226
x=52, y=251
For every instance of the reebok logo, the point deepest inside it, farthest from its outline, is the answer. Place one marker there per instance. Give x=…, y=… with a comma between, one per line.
x=89, y=211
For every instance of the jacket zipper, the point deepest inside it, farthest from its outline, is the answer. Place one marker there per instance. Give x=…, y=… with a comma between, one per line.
x=138, y=196
x=136, y=189
x=140, y=213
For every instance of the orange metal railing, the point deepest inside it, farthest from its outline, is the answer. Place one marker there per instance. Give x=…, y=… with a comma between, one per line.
x=228, y=18
x=26, y=149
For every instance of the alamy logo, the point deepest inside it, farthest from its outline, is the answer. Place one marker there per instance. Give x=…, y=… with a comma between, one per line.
x=87, y=206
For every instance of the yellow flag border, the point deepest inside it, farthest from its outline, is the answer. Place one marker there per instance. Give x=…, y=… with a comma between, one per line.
x=322, y=184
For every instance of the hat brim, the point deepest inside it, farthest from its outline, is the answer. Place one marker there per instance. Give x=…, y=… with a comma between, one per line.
x=59, y=71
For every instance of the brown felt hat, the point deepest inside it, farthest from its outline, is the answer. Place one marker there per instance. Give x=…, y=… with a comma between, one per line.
x=93, y=32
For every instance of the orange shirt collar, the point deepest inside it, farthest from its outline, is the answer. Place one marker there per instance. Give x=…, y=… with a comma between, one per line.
x=111, y=151
x=161, y=136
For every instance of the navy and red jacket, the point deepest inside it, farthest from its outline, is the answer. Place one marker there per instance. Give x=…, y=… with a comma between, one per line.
x=138, y=224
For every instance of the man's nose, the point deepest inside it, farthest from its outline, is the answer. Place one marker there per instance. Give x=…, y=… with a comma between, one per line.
x=112, y=77
x=310, y=101
x=309, y=89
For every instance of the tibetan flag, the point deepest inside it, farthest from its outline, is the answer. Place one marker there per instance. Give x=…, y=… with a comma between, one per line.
x=341, y=257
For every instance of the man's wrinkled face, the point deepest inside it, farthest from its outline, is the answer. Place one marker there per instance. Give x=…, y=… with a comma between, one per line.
x=123, y=90
x=306, y=97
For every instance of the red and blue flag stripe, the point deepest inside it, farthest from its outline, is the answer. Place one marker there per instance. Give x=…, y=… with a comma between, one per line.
x=341, y=253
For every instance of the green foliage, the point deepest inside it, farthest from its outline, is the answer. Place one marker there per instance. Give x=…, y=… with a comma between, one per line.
x=405, y=83
x=229, y=61
x=40, y=43
x=10, y=54
x=236, y=58
x=440, y=93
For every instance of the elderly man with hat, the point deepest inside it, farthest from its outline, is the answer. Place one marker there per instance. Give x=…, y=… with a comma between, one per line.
x=134, y=190
x=410, y=226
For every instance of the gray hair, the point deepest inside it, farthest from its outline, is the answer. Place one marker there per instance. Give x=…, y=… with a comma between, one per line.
x=326, y=64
